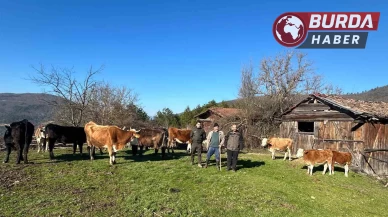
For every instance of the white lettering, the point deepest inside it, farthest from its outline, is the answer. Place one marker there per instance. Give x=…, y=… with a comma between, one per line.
x=351, y=21
x=346, y=39
x=337, y=39
x=324, y=21
x=355, y=39
x=315, y=21
x=341, y=20
x=315, y=38
x=368, y=19
x=326, y=40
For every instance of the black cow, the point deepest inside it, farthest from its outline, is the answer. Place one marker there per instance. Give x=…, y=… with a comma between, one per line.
x=18, y=136
x=65, y=134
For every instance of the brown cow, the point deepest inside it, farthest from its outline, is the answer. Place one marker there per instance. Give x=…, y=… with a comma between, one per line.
x=111, y=137
x=281, y=144
x=342, y=158
x=153, y=138
x=179, y=135
x=312, y=157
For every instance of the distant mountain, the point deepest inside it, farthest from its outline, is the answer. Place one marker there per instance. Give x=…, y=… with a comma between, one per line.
x=31, y=106
x=375, y=94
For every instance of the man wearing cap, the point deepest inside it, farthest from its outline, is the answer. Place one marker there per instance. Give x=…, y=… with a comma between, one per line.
x=215, y=139
x=197, y=135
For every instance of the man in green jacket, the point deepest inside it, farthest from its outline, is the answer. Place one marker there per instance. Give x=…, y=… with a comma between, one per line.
x=197, y=135
x=215, y=139
x=234, y=144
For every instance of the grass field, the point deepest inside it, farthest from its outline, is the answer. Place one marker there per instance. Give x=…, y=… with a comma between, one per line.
x=149, y=186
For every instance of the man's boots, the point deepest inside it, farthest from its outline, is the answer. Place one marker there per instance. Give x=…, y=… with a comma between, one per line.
x=218, y=165
x=207, y=163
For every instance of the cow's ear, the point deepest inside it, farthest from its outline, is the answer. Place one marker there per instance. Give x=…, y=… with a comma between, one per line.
x=8, y=127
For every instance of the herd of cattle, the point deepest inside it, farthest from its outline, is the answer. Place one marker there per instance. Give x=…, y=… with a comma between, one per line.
x=19, y=135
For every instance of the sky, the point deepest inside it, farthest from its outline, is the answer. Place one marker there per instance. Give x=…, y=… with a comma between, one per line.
x=173, y=53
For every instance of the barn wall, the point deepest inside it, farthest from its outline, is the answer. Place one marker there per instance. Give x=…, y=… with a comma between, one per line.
x=338, y=135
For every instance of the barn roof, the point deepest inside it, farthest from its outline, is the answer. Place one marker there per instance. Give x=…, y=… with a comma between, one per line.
x=222, y=112
x=367, y=110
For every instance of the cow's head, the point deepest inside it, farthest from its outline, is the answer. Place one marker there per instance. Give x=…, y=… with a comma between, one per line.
x=136, y=135
x=299, y=153
x=264, y=142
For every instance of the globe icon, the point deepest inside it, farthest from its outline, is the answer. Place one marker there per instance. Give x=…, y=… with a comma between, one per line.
x=289, y=30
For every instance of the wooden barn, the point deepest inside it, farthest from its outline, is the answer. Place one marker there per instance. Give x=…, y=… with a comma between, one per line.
x=215, y=114
x=337, y=123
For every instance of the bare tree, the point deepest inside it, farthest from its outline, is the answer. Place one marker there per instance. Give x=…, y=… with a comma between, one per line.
x=280, y=82
x=75, y=95
x=113, y=105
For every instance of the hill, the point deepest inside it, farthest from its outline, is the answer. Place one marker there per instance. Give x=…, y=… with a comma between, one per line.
x=375, y=94
x=32, y=106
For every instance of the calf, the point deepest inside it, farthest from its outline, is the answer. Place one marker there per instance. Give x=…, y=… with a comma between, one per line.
x=281, y=144
x=40, y=136
x=65, y=134
x=312, y=157
x=111, y=137
x=18, y=135
x=342, y=158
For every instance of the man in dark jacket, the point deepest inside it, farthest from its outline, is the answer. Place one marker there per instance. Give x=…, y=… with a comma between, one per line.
x=197, y=135
x=234, y=143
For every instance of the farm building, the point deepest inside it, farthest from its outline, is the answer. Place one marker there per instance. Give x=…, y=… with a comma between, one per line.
x=217, y=114
x=337, y=123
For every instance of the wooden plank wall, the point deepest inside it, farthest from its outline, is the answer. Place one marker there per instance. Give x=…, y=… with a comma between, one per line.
x=327, y=135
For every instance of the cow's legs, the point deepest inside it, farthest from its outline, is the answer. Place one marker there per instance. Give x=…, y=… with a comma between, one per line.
x=110, y=155
x=51, y=147
x=39, y=143
x=163, y=152
x=273, y=154
x=311, y=169
x=92, y=152
x=80, y=144
x=25, y=153
x=18, y=153
x=141, y=150
x=156, y=151
x=285, y=155
x=346, y=170
x=324, y=169
x=74, y=148
x=188, y=147
x=114, y=154
x=8, y=149
x=330, y=170
x=45, y=144
x=289, y=154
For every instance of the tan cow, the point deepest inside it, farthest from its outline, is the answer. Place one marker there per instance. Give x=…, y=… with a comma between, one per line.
x=40, y=136
x=280, y=144
x=342, y=158
x=312, y=157
x=111, y=137
x=179, y=135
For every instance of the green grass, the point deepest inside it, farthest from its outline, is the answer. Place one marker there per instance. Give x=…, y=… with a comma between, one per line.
x=149, y=186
